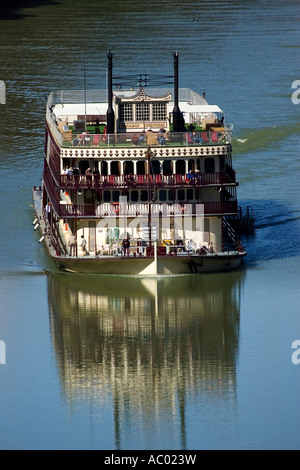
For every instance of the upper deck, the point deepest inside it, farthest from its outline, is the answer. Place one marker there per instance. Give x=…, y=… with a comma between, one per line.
x=77, y=122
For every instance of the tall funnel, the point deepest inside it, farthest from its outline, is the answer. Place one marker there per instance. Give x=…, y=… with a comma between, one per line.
x=177, y=124
x=110, y=115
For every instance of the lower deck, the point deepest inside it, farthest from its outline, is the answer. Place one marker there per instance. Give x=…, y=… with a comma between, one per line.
x=145, y=259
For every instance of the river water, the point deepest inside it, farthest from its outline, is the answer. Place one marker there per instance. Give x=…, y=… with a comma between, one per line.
x=189, y=362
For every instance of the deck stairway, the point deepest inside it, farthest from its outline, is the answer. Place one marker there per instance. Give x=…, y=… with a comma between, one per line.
x=230, y=236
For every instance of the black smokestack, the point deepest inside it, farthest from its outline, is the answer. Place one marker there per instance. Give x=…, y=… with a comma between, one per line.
x=110, y=115
x=177, y=125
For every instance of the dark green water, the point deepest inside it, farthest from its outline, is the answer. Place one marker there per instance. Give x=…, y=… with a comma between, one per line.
x=192, y=362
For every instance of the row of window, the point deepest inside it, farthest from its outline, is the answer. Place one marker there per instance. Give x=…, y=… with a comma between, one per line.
x=165, y=168
x=162, y=195
x=143, y=112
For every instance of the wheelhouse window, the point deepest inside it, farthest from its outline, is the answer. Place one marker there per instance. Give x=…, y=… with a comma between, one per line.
x=159, y=111
x=142, y=111
x=126, y=112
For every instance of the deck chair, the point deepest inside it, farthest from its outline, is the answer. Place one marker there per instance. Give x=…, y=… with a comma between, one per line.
x=204, y=137
x=111, y=179
x=188, y=138
x=179, y=179
x=96, y=139
x=140, y=179
x=214, y=136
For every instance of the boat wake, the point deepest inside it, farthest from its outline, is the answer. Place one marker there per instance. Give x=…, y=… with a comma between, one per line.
x=263, y=137
x=274, y=223
x=276, y=234
x=25, y=270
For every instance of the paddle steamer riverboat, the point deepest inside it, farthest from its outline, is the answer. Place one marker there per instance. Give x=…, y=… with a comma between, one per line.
x=138, y=181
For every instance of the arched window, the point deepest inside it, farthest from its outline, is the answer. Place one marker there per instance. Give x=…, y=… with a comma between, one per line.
x=167, y=167
x=140, y=167
x=128, y=168
x=103, y=168
x=83, y=166
x=155, y=167
x=209, y=165
x=191, y=165
x=180, y=167
x=115, y=168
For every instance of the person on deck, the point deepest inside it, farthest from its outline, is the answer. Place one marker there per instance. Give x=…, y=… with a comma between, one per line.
x=126, y=246
x=83, y=245
x=72, y=245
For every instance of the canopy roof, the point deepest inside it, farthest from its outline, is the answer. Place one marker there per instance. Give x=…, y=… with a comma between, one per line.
x=80, y=109
x=199, y=108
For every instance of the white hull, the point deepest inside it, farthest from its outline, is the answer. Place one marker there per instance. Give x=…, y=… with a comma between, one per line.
x=166, y=265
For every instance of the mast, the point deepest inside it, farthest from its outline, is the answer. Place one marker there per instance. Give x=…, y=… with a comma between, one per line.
x=110, y=115
x=176, y=111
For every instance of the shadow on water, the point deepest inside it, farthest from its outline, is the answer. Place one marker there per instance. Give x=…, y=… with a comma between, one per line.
x=276, y=234
x=10, y=10
x=149, y=345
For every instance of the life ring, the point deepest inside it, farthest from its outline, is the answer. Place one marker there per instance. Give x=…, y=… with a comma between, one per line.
x=116, y=207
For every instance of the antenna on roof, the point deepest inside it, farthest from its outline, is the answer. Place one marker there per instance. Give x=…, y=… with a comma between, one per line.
x=110, y=115
x=84, y=80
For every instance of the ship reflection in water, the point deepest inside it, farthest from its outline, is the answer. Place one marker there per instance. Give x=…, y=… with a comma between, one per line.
x=149, y=349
